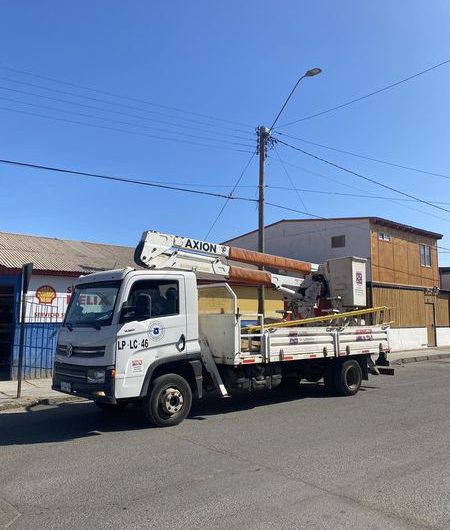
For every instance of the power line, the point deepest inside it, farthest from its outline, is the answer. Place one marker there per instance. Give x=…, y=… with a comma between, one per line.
x=316, y=216
x=360, y=195
x=290, y=179
x=56, y=90
x=230, y=195
x=355, y=100
x=121, y=96
x=401, y=166
x=102, y=109
x=122, y=179
x=121, y=122
x=397, y=200
x=369, y=179
x=153, y=184
x=116, y=129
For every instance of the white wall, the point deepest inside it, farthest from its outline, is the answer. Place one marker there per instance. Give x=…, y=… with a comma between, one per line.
x=407, y=338
x=48, y=305
x=443, y=336
x=311, y=240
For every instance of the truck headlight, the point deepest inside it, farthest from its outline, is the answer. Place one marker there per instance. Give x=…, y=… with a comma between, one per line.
x=95, y=375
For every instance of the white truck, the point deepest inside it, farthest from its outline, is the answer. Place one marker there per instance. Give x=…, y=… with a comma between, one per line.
x=172, y=329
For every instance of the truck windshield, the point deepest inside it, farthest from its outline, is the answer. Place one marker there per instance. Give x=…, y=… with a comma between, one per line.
x=92, y=304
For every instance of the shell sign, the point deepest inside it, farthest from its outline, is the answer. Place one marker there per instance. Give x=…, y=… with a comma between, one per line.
x=45, y=294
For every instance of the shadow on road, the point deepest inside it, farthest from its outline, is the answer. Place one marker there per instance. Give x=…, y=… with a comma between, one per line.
x=70, y=421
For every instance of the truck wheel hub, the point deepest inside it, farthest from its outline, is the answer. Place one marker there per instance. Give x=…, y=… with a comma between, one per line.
x=171, y=400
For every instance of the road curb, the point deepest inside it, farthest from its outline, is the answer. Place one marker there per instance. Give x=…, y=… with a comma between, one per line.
x=419, y=358
x=28, y=403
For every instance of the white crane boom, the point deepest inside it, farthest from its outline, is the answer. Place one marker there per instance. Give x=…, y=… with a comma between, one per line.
x=212, y=261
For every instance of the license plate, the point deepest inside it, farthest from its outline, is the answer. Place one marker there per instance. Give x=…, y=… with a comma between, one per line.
x=66, y=387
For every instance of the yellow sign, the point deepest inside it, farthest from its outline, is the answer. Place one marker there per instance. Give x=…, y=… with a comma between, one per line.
x=45, y=294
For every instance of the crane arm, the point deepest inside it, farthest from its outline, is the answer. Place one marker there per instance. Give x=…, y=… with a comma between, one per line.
x=212, y=261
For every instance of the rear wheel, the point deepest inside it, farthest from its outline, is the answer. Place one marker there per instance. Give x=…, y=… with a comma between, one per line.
x=348, y=377
x=168, y=400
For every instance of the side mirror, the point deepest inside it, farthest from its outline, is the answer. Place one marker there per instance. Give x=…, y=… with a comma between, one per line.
x=143, y=306
x=126, y=313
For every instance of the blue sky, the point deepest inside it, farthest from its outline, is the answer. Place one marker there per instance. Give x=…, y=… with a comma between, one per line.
x=232, y=60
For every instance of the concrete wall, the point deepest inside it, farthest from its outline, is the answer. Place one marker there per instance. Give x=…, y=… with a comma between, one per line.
x=443, y=336
x=311, y=240
x=407, y=338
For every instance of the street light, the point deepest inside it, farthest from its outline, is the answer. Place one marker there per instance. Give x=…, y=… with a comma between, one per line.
x=312, y=72
x=309, y=73
x=263, y=137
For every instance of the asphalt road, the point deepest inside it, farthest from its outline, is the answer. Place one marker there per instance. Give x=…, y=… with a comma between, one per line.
x=378, y=460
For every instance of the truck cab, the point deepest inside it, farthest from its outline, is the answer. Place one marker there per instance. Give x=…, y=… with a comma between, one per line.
x=124, y=327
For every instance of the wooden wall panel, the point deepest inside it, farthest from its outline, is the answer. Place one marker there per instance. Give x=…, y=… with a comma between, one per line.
x=398, y=261
x=442, y=308
x=401, y=269
x=408, y=306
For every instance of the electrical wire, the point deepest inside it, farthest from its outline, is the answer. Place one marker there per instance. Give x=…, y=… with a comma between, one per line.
x=116, y=129
x=121, y=96
x=370, y=94
x=153, y=184
x=128, y=180
x=230, y=195
x=316, y=216
x=290, y=179
x=401, y=166
x=397, y=200
x=56, y=90
x=121, y=122
x=368, y=179
x=146, y=118
x=360, y=195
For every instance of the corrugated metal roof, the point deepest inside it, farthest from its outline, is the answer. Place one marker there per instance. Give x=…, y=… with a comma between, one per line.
x=62, y=255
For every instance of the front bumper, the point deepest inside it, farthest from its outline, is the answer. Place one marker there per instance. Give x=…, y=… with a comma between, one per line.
x=76, y=376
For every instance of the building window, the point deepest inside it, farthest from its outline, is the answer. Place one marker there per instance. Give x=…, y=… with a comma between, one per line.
x=425, y=255
x=338, y=241
x=384, y=236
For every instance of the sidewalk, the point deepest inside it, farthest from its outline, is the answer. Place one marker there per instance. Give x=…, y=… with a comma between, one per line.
x=39, y=391
x=34, y=392
x=422, y=354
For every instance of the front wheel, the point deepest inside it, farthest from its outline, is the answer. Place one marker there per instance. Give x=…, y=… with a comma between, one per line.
x=348, y=377
x=168, y=400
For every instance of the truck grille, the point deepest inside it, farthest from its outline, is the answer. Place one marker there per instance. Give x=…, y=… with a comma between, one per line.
x=70, y=371
x=81, y=351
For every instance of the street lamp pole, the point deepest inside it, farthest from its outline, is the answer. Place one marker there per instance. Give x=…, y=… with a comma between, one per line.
x=263, y=139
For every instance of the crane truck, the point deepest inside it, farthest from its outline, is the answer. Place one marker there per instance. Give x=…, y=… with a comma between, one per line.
x=171, y=328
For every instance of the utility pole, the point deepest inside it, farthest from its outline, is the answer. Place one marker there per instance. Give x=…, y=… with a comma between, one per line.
x=26, y=276
x=263, y=136
x=263, y=139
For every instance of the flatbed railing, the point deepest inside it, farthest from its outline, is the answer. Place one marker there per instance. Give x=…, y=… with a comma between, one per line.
x=379, y=313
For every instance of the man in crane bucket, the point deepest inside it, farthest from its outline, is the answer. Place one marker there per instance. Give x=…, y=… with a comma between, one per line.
x=148, y=335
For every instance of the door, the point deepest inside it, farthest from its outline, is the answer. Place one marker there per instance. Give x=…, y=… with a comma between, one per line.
x=153, y=328
x=431, y=324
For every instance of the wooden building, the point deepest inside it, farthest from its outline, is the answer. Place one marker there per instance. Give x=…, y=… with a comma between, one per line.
x=402, y=268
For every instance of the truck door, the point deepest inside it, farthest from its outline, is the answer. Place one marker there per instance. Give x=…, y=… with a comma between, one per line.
x=152, y=326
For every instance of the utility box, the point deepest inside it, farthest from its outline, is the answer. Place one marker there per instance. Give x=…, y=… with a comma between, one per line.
x=347, y=279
